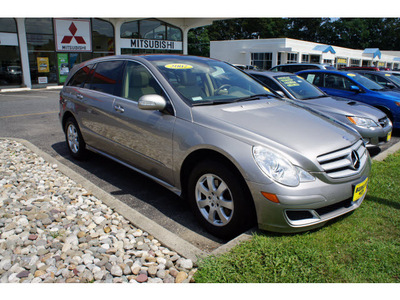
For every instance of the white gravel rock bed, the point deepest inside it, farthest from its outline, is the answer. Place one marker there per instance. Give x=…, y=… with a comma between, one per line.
x=53, y=230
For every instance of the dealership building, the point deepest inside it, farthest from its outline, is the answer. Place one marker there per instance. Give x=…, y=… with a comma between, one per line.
x=267, y=53
x=36, y=52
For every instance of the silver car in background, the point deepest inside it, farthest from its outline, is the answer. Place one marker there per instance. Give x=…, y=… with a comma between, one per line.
x=217, y=137
x=372, y=124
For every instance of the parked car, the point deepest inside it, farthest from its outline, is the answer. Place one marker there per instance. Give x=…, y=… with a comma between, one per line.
x=386, y=79
x=372, y=124
x=360, y=68
x=356, y=87
x=245, y=67
x=217, y=137
x=293, y=68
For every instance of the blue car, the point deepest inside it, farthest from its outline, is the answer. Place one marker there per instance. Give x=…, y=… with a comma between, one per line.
x=354, y=86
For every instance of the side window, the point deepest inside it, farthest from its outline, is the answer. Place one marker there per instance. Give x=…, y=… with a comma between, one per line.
x=316, y=79
x=107, y=77
x=138, y=82
x=381, y=80
x=269, y=83
x=337, y=82
x=80, y=77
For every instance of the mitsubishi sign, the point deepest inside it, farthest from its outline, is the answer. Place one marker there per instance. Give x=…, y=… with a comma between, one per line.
x=73, y=35
x=150, y=44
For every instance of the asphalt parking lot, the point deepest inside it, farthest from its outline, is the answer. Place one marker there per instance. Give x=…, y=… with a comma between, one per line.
x=33, y=116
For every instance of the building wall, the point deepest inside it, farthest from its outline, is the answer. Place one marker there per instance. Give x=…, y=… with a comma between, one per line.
x=240, y=52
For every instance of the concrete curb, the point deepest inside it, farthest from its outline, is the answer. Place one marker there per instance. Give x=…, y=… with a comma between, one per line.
x=24, y=89
x=387, y=152
x=166, y=237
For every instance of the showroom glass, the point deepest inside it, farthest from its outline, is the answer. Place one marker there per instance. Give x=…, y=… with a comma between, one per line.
x=299, y=88
x=103, y=37
x=201, y=81
x=150, y=29
x=10, y=61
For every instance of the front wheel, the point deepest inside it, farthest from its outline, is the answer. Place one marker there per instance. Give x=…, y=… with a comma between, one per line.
x=220, y=200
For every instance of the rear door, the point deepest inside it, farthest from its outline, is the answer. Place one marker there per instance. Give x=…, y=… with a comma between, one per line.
x=97, y=100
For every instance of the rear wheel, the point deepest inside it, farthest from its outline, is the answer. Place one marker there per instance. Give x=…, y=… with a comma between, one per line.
x=76, y=144
x=220, y=200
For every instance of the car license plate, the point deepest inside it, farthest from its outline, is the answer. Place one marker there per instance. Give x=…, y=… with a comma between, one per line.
x=389, y=136
x=360, y=190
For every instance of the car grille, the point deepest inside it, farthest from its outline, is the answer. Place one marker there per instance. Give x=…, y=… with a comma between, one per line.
x=345, y=162
x=383, y=122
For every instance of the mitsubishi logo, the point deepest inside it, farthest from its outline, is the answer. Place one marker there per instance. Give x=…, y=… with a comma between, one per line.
x=355, y=160
x=68, y=38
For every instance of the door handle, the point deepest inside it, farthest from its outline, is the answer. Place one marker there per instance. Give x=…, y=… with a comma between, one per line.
x=119, y=108
x=79, y=96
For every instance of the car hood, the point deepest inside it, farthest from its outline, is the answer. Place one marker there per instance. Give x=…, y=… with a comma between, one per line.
x=343, y=106
x=276, y=124
x=392, y=95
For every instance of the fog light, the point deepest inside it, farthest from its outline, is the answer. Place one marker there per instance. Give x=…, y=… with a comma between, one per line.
x=271, y=197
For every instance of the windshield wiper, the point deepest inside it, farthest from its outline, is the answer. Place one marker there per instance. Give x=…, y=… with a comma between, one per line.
x=317, y=97
x=227, y=101
x=255, y=97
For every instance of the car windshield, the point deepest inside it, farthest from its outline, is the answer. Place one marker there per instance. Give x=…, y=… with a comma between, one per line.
x=299, y=88
x=205, y=81
x=368, y=83
x=390, y=77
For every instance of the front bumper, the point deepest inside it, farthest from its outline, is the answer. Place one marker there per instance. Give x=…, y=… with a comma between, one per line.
x=376, y=136
x=308, y=206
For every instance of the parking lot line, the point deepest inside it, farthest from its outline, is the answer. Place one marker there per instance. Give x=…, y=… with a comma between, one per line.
x=31, y=114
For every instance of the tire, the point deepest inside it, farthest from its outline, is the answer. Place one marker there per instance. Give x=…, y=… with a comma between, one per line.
x=75, y=143
x=220, y=200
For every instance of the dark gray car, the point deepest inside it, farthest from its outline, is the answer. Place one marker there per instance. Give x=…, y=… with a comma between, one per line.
x=373, y=125
x=217, y=137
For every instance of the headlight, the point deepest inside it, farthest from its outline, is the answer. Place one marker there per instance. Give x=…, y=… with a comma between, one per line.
x=362, y=122
x=278, y=168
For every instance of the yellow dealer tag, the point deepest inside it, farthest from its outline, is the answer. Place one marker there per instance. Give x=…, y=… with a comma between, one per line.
x=360, y=190
x=267, y=89
x=352, y=75
x=178, y=66
x=388, y=75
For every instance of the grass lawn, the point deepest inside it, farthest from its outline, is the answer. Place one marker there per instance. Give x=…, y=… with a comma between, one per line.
x=361, y=247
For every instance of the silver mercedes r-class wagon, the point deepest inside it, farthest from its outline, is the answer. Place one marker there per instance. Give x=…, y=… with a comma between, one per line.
x=215, y=136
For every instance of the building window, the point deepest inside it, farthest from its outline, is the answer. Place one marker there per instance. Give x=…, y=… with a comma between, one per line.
x=305, y=58
x=41, y=50
x=103, y=38
x=355, y=62
x=340, y=62
x=262, y=61
x=148, y=31
x=10, y=61
x=291, y=58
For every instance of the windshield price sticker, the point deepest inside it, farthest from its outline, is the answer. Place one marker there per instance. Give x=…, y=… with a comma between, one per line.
x=178, y=66
x=288, y=81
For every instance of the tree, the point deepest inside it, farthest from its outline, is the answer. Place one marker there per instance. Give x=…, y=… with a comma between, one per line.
x=355, y=33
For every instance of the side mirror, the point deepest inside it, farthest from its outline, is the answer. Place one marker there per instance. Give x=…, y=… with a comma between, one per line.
x=355, y=89
x=152, y=102
x=280, y=93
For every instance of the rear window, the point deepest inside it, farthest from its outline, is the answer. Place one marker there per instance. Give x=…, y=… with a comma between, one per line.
x=80, y=77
